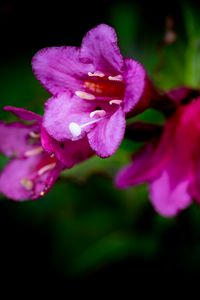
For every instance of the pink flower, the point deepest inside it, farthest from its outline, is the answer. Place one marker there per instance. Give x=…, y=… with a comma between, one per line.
x=170, y=164
x=32, y=171
x=93, y=89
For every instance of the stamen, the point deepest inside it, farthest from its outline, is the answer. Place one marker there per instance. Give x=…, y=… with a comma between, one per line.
x=96, y=74
x=33, y=152
x=34, y=135
x=46, y=168
x=76, y=129
x=42, y=193
x=84, y=95
x=27, y=184
x=116, y=78
x=118, y=102
x=99, y=113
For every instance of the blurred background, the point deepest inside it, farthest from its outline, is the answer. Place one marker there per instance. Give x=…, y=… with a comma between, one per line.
x=85, y=232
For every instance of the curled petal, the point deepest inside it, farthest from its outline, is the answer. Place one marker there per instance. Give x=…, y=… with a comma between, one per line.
x=24, y=114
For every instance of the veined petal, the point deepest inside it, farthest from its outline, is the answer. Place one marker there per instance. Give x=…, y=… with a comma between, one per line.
x=135, y=81
x=68, y=152
x=59, y=69
x=16, y=140
x=100, y=48
x=61, y=111
x=106, y=137
x=24, y=114
x=166, y=200
x=19, y=181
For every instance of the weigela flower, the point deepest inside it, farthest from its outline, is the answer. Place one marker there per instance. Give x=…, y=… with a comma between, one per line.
x=171, y=163
x=32, y=171
x=93, y=89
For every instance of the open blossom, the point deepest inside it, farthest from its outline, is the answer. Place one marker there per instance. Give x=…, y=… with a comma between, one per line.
x=171, y=163
x=93, y=89
x=32, y=171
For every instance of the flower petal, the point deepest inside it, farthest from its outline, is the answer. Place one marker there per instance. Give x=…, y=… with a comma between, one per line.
x=15, y=138
x=24, y=114
x=106, y=137
x=59, y=69
x=68, y=152
x=100, y=47
x=166, y=200
x=138, y=171
x=19, y=181
x=136, y=80
x=61, y=111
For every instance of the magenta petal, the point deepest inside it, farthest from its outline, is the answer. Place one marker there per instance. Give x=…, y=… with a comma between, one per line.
x=100, y=47
x=166, y=200
x=61, y=111
x=68, y=152
x=59, y=69
x=106, y=137
x=20, y=170
x=135, y=78
x=15, y=138
x=24, y=114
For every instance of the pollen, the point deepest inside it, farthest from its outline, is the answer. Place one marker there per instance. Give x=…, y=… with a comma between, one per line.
x=84, y=95
x=116, y=78
x=27, y=184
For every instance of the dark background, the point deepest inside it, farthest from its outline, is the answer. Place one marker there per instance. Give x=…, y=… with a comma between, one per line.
x=27, y=232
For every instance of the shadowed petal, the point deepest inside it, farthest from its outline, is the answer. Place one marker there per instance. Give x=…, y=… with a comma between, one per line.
x=61, y=111
x=15, y=138
x=68, y=152
x=106, y=137
x=19, y=180
x=59, y=69
x=100, y=47
x=166, y=200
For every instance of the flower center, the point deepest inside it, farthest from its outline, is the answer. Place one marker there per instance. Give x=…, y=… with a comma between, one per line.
x=99, y=87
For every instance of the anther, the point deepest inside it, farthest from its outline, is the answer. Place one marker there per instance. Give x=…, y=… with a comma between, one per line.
x=96, y=74
x=46, y=168
x=116, y=78
x=34, y=135
x=117, y=102
x=33, y=152
x=99, y=113
x=84, y=95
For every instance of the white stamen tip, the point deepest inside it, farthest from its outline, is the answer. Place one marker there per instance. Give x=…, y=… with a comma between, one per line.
x=27, y=184
x=96, y=74
x=118, y=102
x=75, y=129
x=33, y=152
x=116, y=78
x=99, y=113
x=84, y=95
x=42, y=193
